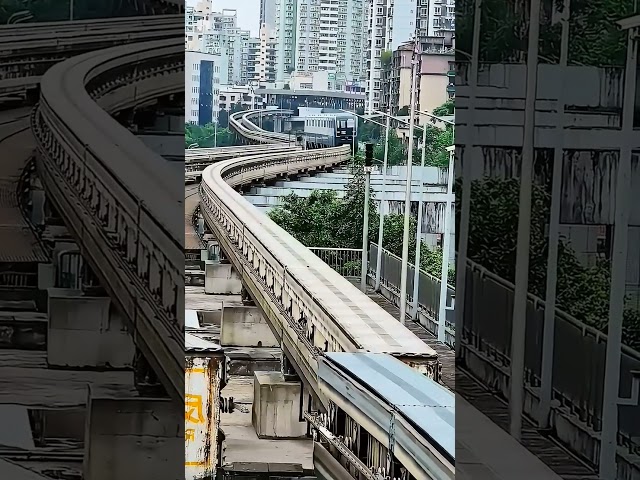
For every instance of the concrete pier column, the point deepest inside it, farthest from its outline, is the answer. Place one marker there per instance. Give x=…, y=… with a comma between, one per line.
x=245, y=327
x=133, y=438
x=85, y=331
x=37, y=214
x=221, y=279
x=276, y=406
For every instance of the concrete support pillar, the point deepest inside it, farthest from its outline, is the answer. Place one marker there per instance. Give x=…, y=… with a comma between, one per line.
x=86, y=332
x=38, y=198
x=245, y=327
x=133, y=438
x=221, y=279
x=276, y=407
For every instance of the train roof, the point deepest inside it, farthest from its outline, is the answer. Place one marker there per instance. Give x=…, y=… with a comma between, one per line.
x=426, y=404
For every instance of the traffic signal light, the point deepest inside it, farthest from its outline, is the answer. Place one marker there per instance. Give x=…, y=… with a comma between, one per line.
x=368, y=155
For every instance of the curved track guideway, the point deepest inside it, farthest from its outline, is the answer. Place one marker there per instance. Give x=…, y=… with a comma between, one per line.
x=310, y=307
x=27, y=53
x=106, y=184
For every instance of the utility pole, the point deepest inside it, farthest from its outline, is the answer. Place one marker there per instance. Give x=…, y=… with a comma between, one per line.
x=416, y=268
x=470, y=155
x=446, y=246
x=611, y=399
x=372, y=58
x=548, y=332
x=382, y=204
x=407, y=200
x=519, y=318
x=368, y=162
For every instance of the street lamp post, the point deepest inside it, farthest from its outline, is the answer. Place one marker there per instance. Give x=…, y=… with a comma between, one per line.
x=548, y=331
x=215, y=133
x=71, y=10
x=382, y=204
x=368, y=160
x=416, y=268
x=446, y=246
x=519, y=317
x=611, y=397
x=407, y=201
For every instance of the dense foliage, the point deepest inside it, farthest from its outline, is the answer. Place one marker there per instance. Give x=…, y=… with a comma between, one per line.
x=594, y=36
x=207, y=137
x=324, y=220
x=437, y=140
x=582, y=291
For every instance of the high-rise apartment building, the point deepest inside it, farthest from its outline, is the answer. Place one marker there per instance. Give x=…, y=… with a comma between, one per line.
x=329, y=37
x=285, y=36
x=392, y=23
x=268, y=14
x=319, y=35
x=267, y=63
x=218, y=33
x=202, y=87
x=442, y=17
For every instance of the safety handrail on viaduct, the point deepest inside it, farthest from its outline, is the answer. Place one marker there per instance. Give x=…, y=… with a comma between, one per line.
x=314, y=309
x=120, y=199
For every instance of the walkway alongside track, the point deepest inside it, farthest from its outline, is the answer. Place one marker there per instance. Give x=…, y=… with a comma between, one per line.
x=562, y=462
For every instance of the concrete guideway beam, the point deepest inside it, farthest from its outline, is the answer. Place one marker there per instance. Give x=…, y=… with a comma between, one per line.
x=98, y=176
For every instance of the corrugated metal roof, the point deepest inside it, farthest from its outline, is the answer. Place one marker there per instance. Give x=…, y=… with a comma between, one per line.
x=194, y=344
x=430, y=406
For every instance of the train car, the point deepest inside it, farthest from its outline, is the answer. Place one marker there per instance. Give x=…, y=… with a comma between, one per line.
x=331, y=129
x=393, y=420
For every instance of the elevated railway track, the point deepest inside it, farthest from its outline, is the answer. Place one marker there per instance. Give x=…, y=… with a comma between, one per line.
x=105, y=184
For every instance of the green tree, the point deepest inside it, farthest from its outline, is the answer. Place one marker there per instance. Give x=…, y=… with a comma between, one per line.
x=324, y=220
x=582, y=291
x=447, y=108
x=207, y=137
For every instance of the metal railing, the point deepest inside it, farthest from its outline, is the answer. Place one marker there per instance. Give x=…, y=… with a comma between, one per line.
x=346, y=261
x=428, y=291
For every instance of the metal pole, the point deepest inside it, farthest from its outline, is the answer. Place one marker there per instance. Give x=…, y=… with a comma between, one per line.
x=519, y=320
x=365, y=231
x=215, y=134
x=372, y=57
x=548, y=333
x=609, y=434
x=446, y=246
x=407, y=200
x=383, y=207
x=71, y=10
x=416, y=267
x=463, y=234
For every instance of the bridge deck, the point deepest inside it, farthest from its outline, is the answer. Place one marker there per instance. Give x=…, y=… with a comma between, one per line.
x=549, y=452
x=19, y=243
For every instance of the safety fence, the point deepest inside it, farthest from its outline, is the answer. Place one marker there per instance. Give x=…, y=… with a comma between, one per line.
x=346, y=261
x=428, y=291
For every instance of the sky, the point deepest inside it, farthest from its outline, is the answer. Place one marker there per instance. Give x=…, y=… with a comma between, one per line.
x=248, y=12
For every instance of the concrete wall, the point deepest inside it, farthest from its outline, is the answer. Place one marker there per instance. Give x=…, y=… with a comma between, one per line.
x=86, y=332
x=276, y=406
x=133, y=438
x=245, y=327
x=221, y=279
